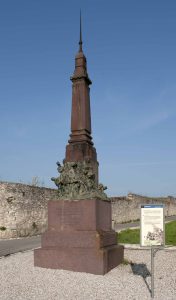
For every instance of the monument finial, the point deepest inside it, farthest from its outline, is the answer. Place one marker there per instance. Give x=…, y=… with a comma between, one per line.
x=80, y=38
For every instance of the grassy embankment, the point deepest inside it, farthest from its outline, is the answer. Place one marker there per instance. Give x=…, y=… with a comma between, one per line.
x=132, y=236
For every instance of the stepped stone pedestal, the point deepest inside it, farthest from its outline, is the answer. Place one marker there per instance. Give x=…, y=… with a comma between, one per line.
x=79, y=237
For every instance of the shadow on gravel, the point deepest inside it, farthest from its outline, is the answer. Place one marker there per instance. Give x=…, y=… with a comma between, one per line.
x=141, y=270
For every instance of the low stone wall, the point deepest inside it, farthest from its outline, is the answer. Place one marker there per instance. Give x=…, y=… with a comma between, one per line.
x=125, y=209
x=23, y=209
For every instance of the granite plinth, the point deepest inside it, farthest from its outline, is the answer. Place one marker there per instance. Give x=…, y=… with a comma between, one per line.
x=79, y=237
x=81, y=151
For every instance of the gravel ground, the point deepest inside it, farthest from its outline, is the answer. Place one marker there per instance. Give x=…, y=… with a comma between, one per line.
x=20, y=280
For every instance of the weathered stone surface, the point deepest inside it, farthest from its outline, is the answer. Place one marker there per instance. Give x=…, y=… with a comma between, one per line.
x=125, y=209
x=23, y=209
x=89, y=260
x=87, y=214
x=79, y=237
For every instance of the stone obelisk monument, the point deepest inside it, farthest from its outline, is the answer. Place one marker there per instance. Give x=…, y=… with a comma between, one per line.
x=79, y=236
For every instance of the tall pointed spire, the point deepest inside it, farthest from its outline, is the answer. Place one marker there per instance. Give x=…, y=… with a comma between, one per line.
x=80, y=61
x=80, y=145
x=80, y=37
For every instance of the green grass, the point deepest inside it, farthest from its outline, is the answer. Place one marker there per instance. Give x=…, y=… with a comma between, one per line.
x=132, y=236
x=170, y=232
x=129, y=236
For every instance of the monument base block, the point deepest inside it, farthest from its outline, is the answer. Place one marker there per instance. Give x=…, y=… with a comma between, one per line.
x=95, y=261
x=79, y=238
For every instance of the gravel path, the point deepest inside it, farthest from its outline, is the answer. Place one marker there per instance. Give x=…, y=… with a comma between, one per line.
x=20, y=280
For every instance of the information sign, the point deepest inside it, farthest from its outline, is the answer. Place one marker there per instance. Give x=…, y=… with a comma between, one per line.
x=152, y=231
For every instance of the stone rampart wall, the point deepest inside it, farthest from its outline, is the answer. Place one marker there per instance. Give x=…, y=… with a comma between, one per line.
x=126, y=209
x=23, y=208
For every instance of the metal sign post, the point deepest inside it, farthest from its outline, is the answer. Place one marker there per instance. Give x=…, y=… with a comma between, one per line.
x=152, y=272
x=153, y=252
x=152, y=232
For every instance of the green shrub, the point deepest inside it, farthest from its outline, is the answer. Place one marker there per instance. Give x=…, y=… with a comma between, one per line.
x=34, y=225
x=3, y=228
x=126, y=261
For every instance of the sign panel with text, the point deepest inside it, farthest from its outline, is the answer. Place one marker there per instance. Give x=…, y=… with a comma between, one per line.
x=152, y=231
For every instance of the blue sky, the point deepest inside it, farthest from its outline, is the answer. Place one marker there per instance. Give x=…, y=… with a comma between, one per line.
x=131, y=52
